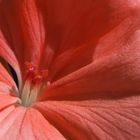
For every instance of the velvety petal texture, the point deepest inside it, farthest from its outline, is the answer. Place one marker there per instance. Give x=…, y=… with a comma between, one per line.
x=34, y=126
x=77, y=32
x=91, y=51
x=21, y=123
x=95, y=119
x=114, y=70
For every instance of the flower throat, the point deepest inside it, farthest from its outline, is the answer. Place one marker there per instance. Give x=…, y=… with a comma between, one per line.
x=34, y=82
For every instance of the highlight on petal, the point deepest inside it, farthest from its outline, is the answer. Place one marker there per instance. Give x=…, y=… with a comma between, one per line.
x=26, y=123
x=7, y=100
x=95, y=119
x=106, y=78
x=11, y=124
x=34, y=126
x=4, y=88
x=23, y=123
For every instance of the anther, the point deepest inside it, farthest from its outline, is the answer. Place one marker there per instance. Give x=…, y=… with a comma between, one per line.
x=30, y=70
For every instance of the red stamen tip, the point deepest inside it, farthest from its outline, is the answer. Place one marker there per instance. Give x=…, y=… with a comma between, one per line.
x=34, y=75
x=31, y=70
x=37, y=80
x=30, y=66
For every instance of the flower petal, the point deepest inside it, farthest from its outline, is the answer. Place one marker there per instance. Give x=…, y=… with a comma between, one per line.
x=22, y=123
x=5, y=77
x=34, y=126
x=22, y=26
x=11, y=124
x=74, y=30
x=26, y=123
x=7, y=100
x=7, y=54
x=95, y=119
x=114, y=71
x=4, y=88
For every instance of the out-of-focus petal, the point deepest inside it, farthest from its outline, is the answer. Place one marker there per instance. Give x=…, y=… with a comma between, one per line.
x=95, y=119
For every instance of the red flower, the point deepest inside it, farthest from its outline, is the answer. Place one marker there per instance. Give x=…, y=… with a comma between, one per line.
x=78, y=69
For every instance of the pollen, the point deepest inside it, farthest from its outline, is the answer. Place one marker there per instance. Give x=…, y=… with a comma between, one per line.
x=35, y=79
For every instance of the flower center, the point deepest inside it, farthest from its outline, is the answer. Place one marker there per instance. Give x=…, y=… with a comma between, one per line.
x=34, y=82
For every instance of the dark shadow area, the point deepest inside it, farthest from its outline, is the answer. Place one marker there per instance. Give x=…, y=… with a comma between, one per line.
x=14, y=75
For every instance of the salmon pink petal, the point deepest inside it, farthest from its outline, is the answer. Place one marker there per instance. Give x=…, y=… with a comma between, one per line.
x=5, y=77
x=7, y=84
x=22, y=26
x=114, y=70
x=10, y=125
x=26, y=123
x=4, y=88
x=7, y=100
x=6, y=111
x=7, y=87
x=35, y=127
x=94, y=119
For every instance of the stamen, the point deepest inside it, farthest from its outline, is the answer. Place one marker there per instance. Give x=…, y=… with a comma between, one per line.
x=34, y=82
x=26, y=92
x=33, y=95
x=31, y=70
